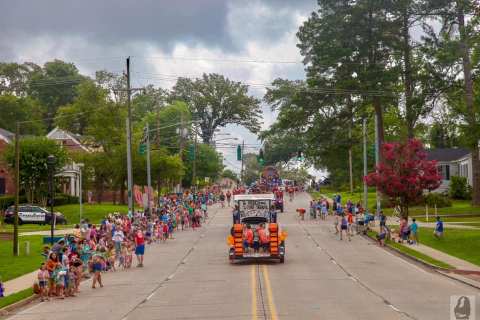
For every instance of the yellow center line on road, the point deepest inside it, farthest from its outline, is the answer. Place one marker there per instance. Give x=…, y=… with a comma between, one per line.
x=271, y=303
x=253, y=283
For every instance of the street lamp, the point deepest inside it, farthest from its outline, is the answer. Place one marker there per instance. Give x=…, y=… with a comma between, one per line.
x=51, y=161
x=80, y=199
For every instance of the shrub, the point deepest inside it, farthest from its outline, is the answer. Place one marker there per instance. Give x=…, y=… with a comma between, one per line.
x=63, y=199
x=7, y=201
x=438, y=199
x=459, y=188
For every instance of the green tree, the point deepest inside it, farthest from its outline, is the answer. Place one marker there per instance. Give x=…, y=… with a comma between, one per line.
x=54, y=86
x=13, y=109
x=208, y=165
x=79, y=115
x=34, y=152
x=227, y=173
x=14, y=77
x=252, y=169
x=453, y=53
x=216, y=102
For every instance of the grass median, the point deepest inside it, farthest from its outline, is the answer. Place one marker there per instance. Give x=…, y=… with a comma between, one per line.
x=17, y=296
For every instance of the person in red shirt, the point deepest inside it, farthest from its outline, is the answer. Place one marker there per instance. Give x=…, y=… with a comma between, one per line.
x=350, y=222
x=262, y=234
x=139, y=247
x=248, y=238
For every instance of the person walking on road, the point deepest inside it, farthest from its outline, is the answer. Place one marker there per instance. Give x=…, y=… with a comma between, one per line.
x=344, y=228
x=229, y=197
x=139, y=247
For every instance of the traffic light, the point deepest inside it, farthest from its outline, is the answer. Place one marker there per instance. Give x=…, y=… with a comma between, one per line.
x=239, y=153
x=261, y=159
x=142, y=149
x=191, y=152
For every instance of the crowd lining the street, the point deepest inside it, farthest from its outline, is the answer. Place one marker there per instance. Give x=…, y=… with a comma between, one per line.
x=92, y=250
x=352, y=218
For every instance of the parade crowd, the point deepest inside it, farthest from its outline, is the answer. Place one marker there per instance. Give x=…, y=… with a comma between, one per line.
x=352, y=218
x=91, y=250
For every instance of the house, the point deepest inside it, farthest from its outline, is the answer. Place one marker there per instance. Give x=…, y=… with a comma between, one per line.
x=70, y=175
x=7, y=183
x=452, y=162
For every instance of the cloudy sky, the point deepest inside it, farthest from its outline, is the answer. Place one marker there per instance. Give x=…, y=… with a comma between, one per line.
x=247, y=40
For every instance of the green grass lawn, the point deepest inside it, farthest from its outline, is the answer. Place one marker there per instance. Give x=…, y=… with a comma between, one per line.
x=458, y=206
x=93, y=212
x=12, y=267
x=460, y=243
x=10, y=299
x=411, y=252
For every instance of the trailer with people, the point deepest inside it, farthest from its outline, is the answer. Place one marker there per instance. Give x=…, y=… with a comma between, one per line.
x=255, y=233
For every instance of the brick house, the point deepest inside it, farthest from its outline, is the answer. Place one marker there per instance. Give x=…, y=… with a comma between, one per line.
x=7, y=184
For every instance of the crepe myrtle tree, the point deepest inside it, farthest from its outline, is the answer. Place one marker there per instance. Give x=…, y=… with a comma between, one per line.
x=404, y=174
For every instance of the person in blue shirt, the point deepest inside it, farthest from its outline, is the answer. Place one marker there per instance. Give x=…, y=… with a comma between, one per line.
x=414, y=231
x=438, y=233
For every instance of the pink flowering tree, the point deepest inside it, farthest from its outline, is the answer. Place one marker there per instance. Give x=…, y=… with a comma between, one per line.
x=404, y=174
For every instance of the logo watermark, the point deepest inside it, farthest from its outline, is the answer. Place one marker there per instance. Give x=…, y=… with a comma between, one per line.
x=462, y=308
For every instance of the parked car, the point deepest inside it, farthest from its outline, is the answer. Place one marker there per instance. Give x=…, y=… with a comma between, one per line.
x=33, y=214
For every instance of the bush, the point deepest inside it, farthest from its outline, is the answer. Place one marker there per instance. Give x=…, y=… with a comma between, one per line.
x=7, y=201
x=438, y=199
x=63, y=199
x=459, y=188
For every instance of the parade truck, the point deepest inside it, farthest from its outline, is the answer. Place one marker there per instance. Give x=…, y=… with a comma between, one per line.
x=255, y=233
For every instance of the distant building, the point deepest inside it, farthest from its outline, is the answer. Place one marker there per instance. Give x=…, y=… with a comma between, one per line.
x=452, y=162
x=7, y=183
x=70, y=175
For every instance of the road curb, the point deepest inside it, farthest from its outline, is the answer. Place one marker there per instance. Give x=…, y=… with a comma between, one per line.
x=442, y=271
x=5, y=311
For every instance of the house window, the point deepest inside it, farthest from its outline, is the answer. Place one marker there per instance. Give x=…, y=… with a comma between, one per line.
x=464, y=170
x=444, y=170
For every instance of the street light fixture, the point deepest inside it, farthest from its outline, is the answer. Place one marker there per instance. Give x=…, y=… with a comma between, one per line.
x=80, y=197
x=51, y=161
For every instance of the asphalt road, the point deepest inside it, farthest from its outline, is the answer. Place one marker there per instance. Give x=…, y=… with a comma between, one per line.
x=322, y=278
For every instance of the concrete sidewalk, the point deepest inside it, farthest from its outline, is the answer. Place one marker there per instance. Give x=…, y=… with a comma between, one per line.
x=21, y=283
x=455, y=262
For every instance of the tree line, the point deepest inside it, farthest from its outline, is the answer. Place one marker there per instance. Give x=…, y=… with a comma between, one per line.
x=411, y=64
x=94, y=109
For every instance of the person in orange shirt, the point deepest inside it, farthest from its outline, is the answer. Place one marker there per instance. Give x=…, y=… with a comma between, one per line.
x=262, y=234
x=248, y=238
x=350, y=222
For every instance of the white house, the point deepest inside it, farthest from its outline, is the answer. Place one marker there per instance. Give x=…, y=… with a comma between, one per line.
x=71, y=171
x=452, y=162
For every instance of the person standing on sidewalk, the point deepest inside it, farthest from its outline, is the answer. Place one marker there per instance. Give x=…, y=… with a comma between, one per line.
x=438, y=232
x=414, y=231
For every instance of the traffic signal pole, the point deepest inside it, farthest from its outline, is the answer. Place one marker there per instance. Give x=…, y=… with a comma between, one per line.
x=241, y=173
x=149, y=173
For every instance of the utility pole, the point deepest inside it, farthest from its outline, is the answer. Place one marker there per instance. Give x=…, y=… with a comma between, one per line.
x=129, y=144
x=365, y=187
x=377, y=160
x=194, y=167
x=149, y=174
x=350, y=160
x=17, y=188
x=243, y=148
x=181, y=147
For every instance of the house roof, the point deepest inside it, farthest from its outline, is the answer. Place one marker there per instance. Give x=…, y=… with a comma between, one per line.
x=447, y=154
x=59, y=134
x=6, y=135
